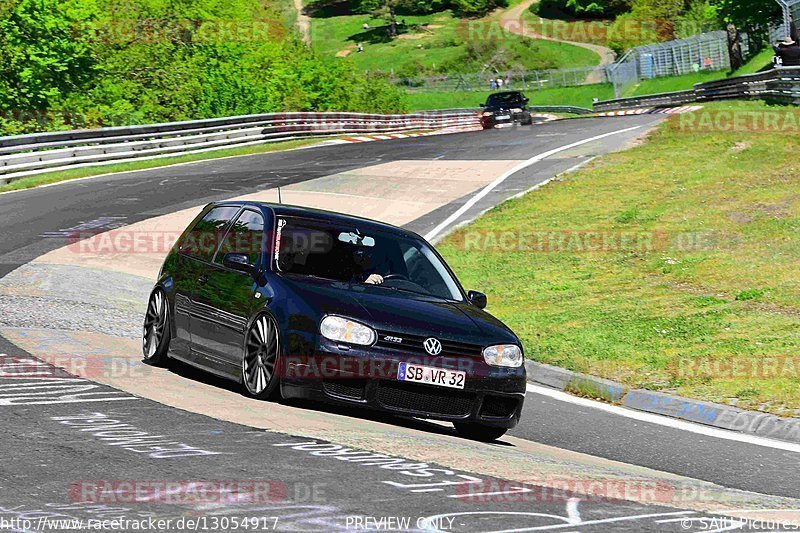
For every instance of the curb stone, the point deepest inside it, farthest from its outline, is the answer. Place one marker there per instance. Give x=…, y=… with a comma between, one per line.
x=669, y=405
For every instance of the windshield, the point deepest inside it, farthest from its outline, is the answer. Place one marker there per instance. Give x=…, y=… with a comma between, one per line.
x=345, y=253
x=503, y=99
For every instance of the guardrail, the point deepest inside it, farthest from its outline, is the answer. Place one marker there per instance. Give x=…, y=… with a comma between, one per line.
x=26, y=155
x=779, y=85
x=566, y=109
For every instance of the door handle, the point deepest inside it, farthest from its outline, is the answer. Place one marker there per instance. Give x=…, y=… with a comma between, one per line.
x=203, y=279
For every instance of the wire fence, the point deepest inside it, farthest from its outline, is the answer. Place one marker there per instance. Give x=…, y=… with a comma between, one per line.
x=519, y=80
x=778, y=31
x=704, y=52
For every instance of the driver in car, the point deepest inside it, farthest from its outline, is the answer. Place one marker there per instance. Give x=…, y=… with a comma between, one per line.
x=369, y=274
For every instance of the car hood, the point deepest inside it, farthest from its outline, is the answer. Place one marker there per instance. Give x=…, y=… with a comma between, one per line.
x=402, y=312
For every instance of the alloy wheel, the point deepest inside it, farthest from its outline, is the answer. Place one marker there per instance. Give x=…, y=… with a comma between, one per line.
x=154, y=325
x=261, y=356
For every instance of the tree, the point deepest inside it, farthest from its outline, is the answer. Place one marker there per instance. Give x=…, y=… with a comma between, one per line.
x=749, y=15
x=700, y=17
x=43, y=52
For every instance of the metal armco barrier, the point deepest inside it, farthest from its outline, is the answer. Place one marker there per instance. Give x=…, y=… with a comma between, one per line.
x=780, y=85
x=26, y=155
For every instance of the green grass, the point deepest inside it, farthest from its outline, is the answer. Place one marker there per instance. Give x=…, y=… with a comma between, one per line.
x=575, y=96
x=717, y=285
x=436, y=43
x=760, y=61
x=674, y=83
x=65, y=175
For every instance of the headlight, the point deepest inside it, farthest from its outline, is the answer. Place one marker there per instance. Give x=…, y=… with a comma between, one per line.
x=487, y=114
x=516, y=110
x=503, y=355
x=341, y=329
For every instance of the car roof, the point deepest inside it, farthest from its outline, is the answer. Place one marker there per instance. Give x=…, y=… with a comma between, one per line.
x=503, y=93
x=283, y=210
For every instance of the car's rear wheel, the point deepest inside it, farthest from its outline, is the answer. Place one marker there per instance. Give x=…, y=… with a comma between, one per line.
x=471, y=430
x=260, y=362
x=156, y=331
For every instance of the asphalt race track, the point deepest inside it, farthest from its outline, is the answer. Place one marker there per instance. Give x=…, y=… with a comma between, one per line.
x=79, y=444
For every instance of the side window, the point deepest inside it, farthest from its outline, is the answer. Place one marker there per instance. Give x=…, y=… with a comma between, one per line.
x=246, y=236
x=202, y=241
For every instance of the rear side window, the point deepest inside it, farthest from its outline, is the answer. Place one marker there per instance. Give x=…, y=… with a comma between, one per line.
x=246, y=236
x=202, y=241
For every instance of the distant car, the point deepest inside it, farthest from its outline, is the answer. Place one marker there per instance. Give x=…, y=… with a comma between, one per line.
x=307, y=303
x=506, y=107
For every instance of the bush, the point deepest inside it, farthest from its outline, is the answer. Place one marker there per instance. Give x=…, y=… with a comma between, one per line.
x=60, y=55
x=587, y=9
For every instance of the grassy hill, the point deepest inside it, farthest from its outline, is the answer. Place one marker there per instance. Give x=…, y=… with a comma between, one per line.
x=435, y=43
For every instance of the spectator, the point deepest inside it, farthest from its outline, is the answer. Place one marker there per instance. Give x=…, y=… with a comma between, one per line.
x=499, y=84
x=366, y=26
x=788, y=52
x=359, y=48
x=492, y=84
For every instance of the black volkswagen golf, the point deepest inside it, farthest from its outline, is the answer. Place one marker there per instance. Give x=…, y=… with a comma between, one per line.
x=508, y=107
x=304, y=303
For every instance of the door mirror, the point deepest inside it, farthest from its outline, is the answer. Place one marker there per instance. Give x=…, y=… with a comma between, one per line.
x=238, y=262
x=478, y=299
x=482, y=105
x=526, y=100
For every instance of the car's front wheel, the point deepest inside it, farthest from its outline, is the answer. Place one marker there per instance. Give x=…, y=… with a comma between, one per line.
x=471, y=430
x=260, y=362
x=156, y=331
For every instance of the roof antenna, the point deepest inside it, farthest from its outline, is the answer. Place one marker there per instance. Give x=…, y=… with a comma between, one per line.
x=280, y=200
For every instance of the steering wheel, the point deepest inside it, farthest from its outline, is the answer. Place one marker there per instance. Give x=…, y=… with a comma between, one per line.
x=389, y=277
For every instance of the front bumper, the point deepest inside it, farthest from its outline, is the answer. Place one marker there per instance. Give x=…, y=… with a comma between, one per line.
x=496, y=120
x=491, y=396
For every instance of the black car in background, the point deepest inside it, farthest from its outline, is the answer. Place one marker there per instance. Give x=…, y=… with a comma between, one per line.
x=303, y=303
x=507, y=107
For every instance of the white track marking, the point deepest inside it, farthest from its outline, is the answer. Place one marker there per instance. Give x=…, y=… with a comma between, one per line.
x=504, y=176
x=572, y=510
x=665, y=421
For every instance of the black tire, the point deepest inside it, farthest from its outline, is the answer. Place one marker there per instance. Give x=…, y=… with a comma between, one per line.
x=261, y=359
x=473, y=431
x=156, y=331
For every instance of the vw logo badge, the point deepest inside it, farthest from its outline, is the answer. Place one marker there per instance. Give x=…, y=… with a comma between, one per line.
x=433, y=346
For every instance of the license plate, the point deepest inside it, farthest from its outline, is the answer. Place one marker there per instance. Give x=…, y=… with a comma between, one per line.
x=441, y=377
x=503, y=117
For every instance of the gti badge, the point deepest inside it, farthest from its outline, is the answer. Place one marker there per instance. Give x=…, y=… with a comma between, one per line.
x=433, y=346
